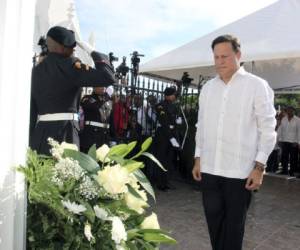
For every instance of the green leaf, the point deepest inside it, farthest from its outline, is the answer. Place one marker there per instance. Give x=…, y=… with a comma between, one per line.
x=132, y=165
x=144, y=182
x=131, y=245
x=150, y=230
x=134, y=192
x=130, y=147
x=92, y=152
x=117, y=159
x=132, y=233
x=146, y=144
x=89, y=212
x=119, y=150
x=146, y=245
x=153, y=158
x=85, y=161
x=159, y=238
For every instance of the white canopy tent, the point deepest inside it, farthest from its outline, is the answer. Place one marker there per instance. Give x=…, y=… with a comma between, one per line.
x=270, y=40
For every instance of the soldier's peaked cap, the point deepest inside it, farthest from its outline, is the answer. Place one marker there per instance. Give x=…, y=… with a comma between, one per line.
x=169, y=91
x=63, y=36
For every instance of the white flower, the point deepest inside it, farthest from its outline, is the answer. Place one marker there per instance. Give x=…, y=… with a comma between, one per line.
x=67, y=168
x=114, y=179
x=88, y=188
x=101, y=213
x=102, y=152
x=65, y=145
x=73, y=207
x=150, y=222
x=136, y=204
x=118, y=232
x=88, y=232
x=57, y=149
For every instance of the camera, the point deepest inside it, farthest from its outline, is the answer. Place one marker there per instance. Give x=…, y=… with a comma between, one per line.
x=43, y=44
x=135, y=60
x=186, y=80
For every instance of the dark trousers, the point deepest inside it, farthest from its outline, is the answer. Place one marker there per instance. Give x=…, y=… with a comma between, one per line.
x=273, y=161
x=60, y=131
x=165, y=153
x=289, y=155
x=93, y=135
x=226, y=201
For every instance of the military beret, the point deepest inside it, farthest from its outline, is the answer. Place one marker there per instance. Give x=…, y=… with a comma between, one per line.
x=63, y=36
x=169, y=91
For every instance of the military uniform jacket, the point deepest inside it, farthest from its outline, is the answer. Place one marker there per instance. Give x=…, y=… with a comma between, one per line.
x=96, y=108
x=56, y=88
x=167, y=113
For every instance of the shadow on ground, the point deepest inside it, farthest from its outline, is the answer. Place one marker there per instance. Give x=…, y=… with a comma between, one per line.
x=273, y=220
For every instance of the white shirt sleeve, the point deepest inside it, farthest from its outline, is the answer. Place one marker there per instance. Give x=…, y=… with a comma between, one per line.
x=266, y=122
x=199, y=135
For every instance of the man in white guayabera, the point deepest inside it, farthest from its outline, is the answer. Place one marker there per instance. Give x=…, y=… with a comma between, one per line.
x=235, y=135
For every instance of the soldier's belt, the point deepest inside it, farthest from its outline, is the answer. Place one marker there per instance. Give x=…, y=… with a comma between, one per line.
x=97, y=124
x=58, y=117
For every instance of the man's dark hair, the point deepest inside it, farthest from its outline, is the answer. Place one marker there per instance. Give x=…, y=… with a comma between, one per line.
x=236, y=46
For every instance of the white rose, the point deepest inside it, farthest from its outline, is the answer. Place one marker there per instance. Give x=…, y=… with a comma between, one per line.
x=114, y=179
x=136, y=204
x=101, y=213
x=118, y=232
x=102, y=152
x=150, y=222
x=65, y=145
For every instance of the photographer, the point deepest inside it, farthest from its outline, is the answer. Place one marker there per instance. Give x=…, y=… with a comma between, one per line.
x=56, y=88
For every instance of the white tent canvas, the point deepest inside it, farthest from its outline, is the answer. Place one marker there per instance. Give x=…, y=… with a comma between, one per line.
x=270, y=40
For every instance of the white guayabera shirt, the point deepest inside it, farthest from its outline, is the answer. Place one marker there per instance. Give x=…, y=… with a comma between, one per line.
x=236, y=125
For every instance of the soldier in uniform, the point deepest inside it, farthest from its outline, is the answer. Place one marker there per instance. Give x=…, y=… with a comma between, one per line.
x=56, y=88
x=97, y=119
x=166, y=137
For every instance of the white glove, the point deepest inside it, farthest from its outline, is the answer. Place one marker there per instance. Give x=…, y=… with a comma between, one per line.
x=85, y=46
x=179, y=120
x=174, y=142
x=112, y=143
x=110, y=90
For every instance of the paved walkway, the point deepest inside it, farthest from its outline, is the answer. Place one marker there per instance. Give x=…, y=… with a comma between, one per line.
x=273, y=220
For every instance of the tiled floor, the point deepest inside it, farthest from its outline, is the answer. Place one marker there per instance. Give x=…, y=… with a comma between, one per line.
x=273, y=220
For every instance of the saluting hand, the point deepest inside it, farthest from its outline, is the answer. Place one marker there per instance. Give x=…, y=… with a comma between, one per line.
x=197, y=170
x=78, y=65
